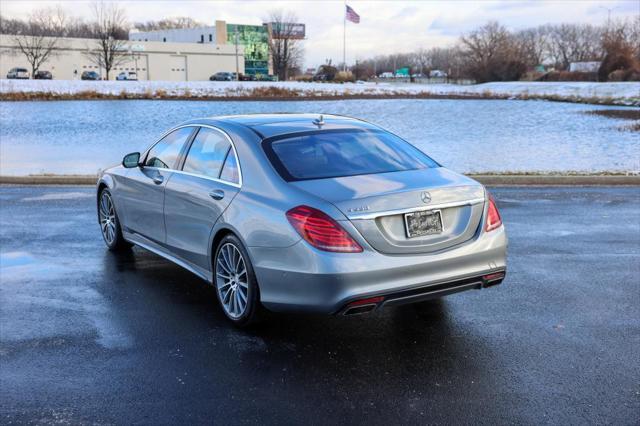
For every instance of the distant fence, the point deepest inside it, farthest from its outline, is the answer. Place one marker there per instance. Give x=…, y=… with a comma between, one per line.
x=425, y=80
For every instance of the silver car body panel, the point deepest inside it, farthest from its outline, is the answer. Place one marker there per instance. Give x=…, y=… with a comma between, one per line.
x=178, y=220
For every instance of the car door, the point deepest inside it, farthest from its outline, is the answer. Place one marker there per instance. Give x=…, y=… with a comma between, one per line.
x=143, y=189
x=196, y=196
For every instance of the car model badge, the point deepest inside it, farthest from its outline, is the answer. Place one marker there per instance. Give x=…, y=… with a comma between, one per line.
x=425, y=197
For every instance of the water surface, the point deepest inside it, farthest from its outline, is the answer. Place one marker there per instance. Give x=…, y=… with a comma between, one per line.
x=82, y=137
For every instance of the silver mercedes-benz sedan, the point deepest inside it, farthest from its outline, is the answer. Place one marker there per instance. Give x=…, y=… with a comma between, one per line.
x=300, y=212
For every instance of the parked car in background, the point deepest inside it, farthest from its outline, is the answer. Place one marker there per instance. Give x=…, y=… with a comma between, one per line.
x=300, y=212
x=127, y=76
x=43, y=75
x=247, y=77
x=90, y=75
x=222, y=76
x=18, y=73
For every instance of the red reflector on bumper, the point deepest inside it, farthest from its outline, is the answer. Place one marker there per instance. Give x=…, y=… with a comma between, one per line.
x=493, y=277
x=369, y=301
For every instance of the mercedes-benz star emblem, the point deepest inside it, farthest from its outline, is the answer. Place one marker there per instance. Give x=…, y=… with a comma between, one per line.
x=425, y=197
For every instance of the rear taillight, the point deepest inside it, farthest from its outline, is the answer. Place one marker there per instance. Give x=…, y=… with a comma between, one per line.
x=494, y=221
x=322, y=232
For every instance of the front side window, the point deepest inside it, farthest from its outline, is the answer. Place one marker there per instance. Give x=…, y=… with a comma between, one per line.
x=165, y=153
x=331, y=154
x=207, y=153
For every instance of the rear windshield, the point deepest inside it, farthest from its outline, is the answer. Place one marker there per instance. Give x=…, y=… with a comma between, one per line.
x=329, y=154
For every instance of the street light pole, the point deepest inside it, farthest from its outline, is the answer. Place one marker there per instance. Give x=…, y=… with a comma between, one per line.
x=609, y=10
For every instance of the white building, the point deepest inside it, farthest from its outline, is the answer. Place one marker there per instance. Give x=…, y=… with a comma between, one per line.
x=202, y=35
x=584, y=66
x=151, y=60
x=254, y=39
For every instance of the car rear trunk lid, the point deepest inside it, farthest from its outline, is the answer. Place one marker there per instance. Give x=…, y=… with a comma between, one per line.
x=377, y=204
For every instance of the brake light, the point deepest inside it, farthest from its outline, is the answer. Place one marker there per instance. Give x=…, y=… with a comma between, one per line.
x=321, y=231
x=494, y=221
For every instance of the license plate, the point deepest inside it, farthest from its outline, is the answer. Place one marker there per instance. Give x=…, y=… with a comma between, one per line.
x=423, y=223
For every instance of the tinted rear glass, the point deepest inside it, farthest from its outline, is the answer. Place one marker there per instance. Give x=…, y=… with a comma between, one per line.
x=330, y=154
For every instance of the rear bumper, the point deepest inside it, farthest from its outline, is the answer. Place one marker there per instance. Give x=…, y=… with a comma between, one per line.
x=301, y=278
x=421, y=294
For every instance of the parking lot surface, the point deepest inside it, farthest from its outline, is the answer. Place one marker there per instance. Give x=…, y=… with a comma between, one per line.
x=88, y=336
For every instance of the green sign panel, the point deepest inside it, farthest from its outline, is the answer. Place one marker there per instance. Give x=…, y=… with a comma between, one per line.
x=255, y=40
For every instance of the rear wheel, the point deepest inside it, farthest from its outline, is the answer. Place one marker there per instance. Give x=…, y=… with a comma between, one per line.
x=109, y=223
x=236, y=284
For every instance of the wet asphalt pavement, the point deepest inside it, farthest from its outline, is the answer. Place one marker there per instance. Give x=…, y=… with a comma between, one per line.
x=88, y=336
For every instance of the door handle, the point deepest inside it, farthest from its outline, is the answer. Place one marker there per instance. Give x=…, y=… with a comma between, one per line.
x=217, y=194
x=158, y=179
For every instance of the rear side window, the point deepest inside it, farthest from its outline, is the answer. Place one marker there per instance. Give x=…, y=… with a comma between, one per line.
x=230, y=168
x=165, y=153
x=330, y=154
x=207, y=153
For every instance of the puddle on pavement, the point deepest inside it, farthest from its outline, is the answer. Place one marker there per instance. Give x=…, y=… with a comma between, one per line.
x=59, y=196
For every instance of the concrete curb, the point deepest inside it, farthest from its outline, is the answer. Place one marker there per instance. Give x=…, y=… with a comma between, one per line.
x=491, y=180
x=49, y=180
x=558, y=180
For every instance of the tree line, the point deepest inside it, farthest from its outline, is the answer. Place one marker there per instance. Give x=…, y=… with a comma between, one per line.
x=489, y=53
x=494, y=53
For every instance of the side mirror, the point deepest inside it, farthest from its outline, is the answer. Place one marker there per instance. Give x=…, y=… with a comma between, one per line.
x=131, y=160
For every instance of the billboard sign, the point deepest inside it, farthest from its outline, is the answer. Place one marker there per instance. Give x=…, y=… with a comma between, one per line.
x=287, y=30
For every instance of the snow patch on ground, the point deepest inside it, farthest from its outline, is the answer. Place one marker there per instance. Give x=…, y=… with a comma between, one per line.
x=624, y=93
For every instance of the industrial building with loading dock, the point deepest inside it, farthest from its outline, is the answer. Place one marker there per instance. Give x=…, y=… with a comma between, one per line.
x=189, y=54
x=254, y=39
x=150, y=60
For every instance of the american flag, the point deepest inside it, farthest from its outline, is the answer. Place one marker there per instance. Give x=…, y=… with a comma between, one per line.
x=352, y=15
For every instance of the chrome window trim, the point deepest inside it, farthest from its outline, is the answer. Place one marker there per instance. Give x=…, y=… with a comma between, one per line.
x=208, y=126
x=375, y=215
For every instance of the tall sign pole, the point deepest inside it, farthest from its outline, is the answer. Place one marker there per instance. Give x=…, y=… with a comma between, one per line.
x=236, y=42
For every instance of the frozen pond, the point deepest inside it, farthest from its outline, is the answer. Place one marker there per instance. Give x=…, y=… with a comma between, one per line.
x=81, y=137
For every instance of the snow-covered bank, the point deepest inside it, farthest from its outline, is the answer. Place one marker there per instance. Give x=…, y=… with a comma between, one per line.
x=624, y=93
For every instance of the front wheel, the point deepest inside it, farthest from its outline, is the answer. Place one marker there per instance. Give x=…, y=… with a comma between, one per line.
x=236, y=284
x=109, y=223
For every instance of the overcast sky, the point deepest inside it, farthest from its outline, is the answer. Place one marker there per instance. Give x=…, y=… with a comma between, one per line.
x=385, y=26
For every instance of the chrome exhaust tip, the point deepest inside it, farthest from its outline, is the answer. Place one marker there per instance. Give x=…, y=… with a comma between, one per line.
x=361, y=309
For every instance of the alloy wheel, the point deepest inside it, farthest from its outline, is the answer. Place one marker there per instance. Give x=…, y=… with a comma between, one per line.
x=107, y=218
x=232, y=280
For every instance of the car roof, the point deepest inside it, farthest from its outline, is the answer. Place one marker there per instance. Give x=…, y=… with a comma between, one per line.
x=269, y=125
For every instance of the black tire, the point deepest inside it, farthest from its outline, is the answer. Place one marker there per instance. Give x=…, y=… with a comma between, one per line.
x=227, y=284
x=110, y=224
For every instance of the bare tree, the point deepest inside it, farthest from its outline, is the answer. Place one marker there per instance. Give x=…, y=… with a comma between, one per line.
x=491, y=54
x=533, y=44
x=180, y=22
x=284, y=44
x=574, y=43
x=109, y=49
x=449, y=60
x=40, y=36
x=421, y=59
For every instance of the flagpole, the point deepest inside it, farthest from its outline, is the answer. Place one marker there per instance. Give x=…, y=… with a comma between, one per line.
x=344, y=37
